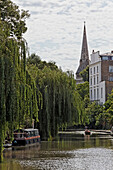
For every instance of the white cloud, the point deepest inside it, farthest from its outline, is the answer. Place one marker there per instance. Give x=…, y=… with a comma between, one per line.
x=55, y=28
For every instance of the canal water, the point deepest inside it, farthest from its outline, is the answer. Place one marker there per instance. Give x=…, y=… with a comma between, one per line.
x=73, y=153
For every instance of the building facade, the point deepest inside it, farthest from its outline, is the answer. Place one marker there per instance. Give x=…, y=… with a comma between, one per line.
x=100, y=76
x=84, y=60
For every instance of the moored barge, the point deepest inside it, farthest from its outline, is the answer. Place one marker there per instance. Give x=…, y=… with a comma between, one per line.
x=24, y=137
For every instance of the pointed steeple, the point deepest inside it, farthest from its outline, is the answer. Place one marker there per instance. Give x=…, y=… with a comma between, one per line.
x=84, y=51
x=84, y=60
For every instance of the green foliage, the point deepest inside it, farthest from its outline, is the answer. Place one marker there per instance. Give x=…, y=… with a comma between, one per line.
x=96, y=116
x=92, y=113
x=109, y=103
x=108, y=111
x=60, y=105
x=12, y=19
x=83, y=89
x=36, y=60
x=85, y=74
x=18, y=91
x=102, y=115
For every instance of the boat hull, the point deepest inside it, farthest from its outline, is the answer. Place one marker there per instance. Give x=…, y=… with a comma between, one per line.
x=25, y=141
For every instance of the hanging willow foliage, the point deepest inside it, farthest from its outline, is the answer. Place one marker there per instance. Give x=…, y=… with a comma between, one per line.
x=17, y=90
x=61, y=105
x=18, y=93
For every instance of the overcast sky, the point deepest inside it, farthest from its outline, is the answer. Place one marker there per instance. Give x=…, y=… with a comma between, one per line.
x=55, y=28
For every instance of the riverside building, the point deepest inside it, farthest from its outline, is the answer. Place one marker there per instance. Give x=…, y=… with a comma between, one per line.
x=100, y=76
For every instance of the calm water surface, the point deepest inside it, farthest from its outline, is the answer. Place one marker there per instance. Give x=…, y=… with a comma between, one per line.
x=79, y=153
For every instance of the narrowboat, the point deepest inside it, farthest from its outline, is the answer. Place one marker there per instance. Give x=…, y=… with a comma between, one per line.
x=24, y=137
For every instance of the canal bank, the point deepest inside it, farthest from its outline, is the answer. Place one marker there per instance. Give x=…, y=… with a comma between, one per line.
x=78, y=133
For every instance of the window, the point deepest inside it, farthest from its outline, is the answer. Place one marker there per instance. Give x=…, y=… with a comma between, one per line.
x=105, y=58
x=97, y=79
x=97, y=69
x=111, y=58
x=111, y=79
x=94, y=70
x=91, y=94
x=110, y=68
x=91, y=71
x=94, y=80
x=91, y=81
x=94, y=94
x=101, y=92
x=97, y=93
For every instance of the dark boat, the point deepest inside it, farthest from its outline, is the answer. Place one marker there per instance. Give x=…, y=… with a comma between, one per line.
x=87, y=132
x=24, y=137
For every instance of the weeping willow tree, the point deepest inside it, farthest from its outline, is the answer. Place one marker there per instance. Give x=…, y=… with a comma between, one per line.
x=18, y=99
x=61, y=103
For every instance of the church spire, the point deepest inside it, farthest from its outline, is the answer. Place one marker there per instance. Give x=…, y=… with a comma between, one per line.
x=84, y=51
x=84, y=60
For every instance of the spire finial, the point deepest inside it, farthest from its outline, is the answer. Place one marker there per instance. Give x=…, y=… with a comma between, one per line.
x=84, y=51
x=84, y=22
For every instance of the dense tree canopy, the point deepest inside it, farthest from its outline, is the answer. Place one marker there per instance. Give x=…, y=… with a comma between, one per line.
x=17, y=88
x=61, y=105
x=13, y=20
x=100, y=116
x=83, y=89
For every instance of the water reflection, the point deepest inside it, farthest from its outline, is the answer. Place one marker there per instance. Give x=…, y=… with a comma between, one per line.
x=10, y=165
x=85, y=152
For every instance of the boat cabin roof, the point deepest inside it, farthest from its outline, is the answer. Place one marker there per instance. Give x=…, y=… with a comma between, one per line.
x=28, y=130
x=25, y=130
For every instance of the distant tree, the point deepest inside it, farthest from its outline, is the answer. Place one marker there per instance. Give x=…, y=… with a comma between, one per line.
x=12, y=19
x=52, y=65
x=92, y=112
x=85, y=74
x=36, y=60
x=109, y=103
x=83, y=89
x=108, y=111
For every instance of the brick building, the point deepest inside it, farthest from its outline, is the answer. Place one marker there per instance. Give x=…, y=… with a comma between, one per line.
x=100, y=76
